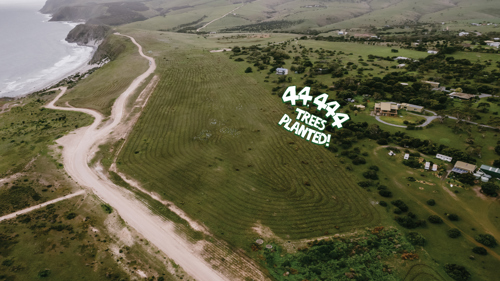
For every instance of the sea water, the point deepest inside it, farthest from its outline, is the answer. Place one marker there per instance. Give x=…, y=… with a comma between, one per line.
x=33, y=52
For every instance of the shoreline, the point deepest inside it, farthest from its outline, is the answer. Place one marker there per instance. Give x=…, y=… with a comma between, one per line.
x=45, y=84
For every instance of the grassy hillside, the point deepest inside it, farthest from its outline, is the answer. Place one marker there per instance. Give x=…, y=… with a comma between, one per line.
x=208, y=141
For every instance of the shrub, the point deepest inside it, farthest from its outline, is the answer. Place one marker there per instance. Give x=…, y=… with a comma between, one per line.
x=466, y=178
x=486, y=240
x=44, y=273
x=480, y=251
x=382, y=203
x=365, y=184
x=71, y=216
x=374, y=168
x=452, y=217
x=107, y=209
x=454, y=233
x=248, y=70
x=370, y=175
x=431, y=202
x=435, y=219
x=382, y=141
x=385, y=193
x=416, y=238
x=457, y=272
x=409, y=222
x=412, y=179
x=359, y=161
x=489, y=189
x=400, y=204
x=397, y=211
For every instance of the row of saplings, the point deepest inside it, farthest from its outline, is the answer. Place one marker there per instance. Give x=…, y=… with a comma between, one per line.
x=410, y=221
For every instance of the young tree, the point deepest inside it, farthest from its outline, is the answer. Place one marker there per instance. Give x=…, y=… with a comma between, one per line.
x=489, y=189
x=248, y=70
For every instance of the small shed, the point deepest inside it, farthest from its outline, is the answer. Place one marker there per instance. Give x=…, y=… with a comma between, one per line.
x=391, y=153
x=492, y=171
x=427, y=165
x=434, y=167
x=407, y=156
x=360, y=106
x=281, y=71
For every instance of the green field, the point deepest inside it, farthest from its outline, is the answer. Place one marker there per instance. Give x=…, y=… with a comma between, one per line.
x=100, y=89
x=209, y=142
x=402, y=117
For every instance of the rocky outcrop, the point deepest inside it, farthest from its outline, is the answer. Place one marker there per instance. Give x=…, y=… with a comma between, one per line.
x=88, y=34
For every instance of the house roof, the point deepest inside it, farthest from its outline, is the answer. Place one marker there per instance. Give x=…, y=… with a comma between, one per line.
x=490, y=169
x=462, y=95
x=465, y=166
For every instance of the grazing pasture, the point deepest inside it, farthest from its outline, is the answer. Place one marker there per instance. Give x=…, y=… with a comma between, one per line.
x=209, y=142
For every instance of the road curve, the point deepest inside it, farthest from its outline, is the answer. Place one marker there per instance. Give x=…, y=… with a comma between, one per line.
x=76, y=154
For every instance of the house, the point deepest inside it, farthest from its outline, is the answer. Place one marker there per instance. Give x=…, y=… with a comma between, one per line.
x=391, y=153
x=281, y=71
x=462, y=168
x=433, y=84
x=407, y=156
x=401, y=58
x=462, y=96
x=434, y=167
x=492, y=171
x=463, y=34
x=404, y=84
x=492, y=44
x=432, y=52
x=360, y=106
x=386, y=109
x=412, y=107
x=401, y=65
x=444, y=157
x=427, y=165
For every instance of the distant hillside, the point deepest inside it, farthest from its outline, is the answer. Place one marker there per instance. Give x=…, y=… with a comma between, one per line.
x=299, y=15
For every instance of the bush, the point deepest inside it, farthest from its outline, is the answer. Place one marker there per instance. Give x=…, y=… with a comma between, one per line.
x=480, y=251
x=382, y=203
x=44, y=273
x=382, y=141
x=454, y=233
x=365, y=184
x=397, y=211
x=486, y=239
x=452, y=217
x=435, y=219
x=248, y=70
x=374, y=168
x=400, y=204
x=466, y=178
x=359, y=161
x=385, y=193
x=431, y=202
x=457, y=272
x=409, y=222
x=416, y=238
x=370, y=175
x=71, y=216
x=107, y=209
x=412, y=163
x=412, y=179
x=490, y=189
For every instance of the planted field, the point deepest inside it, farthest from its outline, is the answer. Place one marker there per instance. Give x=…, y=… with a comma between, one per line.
x=209, y=141
x=100, y=89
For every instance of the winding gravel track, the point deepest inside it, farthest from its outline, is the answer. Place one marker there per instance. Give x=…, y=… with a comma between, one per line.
x=77, y=151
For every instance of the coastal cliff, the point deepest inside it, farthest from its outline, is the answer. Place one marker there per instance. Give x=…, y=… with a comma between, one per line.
x=88, y=34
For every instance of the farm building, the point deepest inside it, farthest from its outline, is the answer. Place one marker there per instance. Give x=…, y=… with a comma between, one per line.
x=462, y=168
x=386, y=109
x=427, y=165
x=432, y=52
x=481, y=175
x=407, y=156
x=433, y=84
x=391, y=153
x=463, y=34
x=281, y=71
x=492, y=171
x=360, y=106
x=402, y=65
x=412, y=107
x=492, y=44
x=444, y=157
x=462, y=96
x=404, y=84
x=434, y=167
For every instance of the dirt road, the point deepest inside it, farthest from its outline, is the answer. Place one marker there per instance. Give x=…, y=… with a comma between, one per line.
x=77, y=151
x=31, y=209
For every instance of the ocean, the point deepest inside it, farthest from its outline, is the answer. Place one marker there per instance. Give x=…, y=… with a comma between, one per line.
x=33, y=52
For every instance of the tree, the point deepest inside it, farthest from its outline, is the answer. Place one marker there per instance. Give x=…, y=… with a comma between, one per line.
x=467, y=178
x=431, y=202
x=486, y=239
x=457, y=272
x=385, y=193
x=454, y=233
x=416, y=238
x=480, y=251
x=453, y=217
x=248, y=70
x=435, y=219
x=489, y=189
